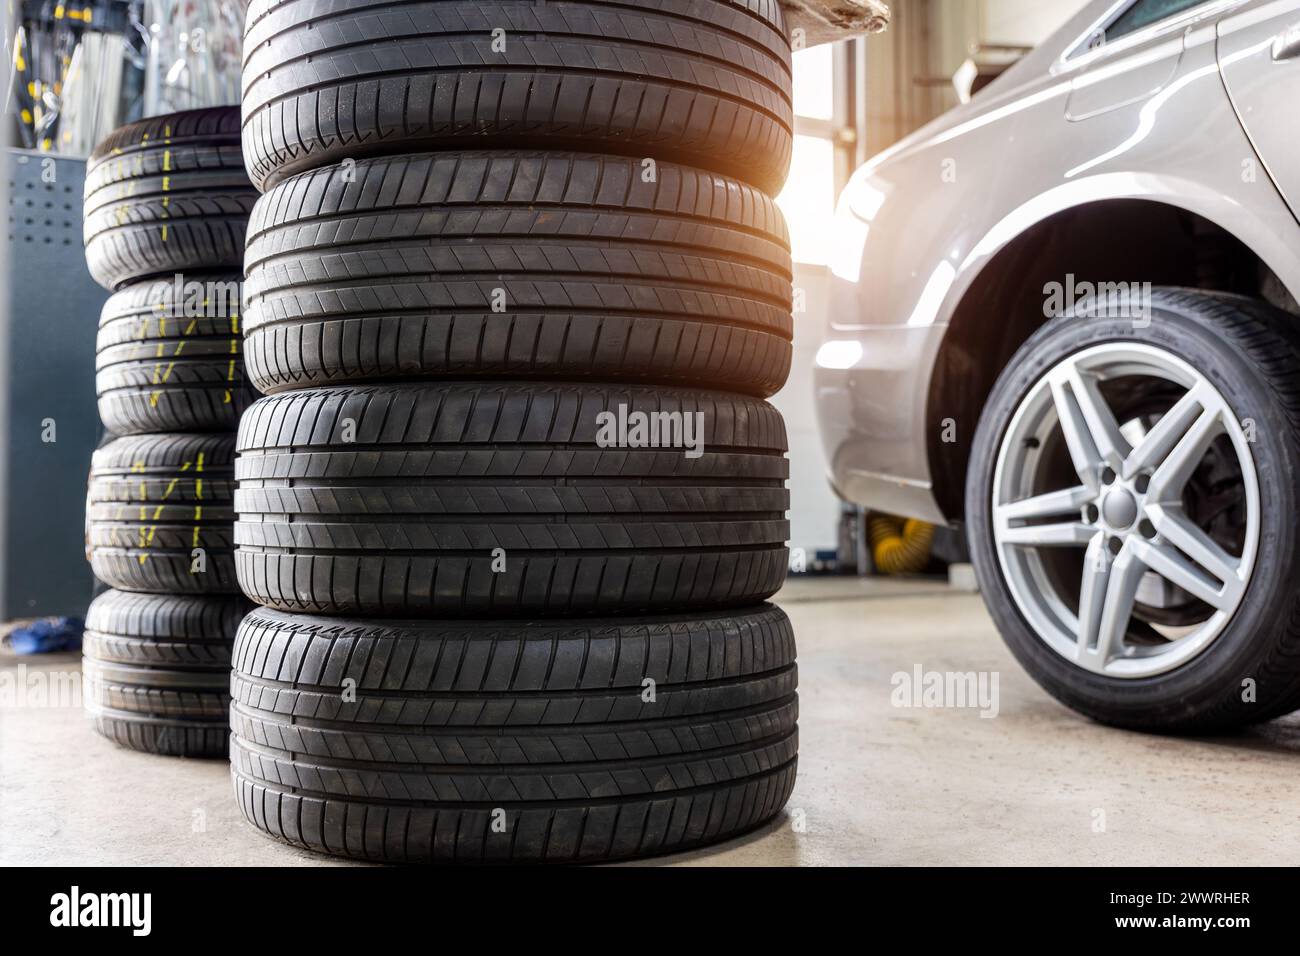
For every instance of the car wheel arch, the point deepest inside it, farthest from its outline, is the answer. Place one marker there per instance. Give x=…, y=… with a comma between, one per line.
x=1125, y=239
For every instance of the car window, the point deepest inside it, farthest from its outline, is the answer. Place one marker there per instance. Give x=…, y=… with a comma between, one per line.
x=1146, y=12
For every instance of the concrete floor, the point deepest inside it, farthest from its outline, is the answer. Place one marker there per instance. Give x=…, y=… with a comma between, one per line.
x=878, y=784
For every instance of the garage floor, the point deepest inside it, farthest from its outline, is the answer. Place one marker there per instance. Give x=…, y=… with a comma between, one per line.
x=878, y=784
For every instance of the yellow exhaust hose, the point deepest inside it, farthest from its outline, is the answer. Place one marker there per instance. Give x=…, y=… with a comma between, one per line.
x=899, y=546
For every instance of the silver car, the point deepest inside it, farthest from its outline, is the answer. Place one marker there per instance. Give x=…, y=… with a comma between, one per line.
x=1064, y=316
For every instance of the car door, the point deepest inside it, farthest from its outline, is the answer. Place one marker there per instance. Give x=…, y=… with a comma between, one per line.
x=1130, y=54
x=1259, y=58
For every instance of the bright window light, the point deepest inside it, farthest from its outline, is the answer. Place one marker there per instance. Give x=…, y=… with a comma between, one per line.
x=808, y=199
x=813, y=85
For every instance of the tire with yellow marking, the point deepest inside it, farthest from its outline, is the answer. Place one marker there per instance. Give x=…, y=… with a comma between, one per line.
x=161, y=515
x=166, y=195
x=169, y=358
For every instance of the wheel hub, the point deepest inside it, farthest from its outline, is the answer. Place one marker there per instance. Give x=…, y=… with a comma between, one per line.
x=1119, y=509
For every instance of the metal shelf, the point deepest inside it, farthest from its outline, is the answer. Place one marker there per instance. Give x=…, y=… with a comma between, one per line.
x=47, y=372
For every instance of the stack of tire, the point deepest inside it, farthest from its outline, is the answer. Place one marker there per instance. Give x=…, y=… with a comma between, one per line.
x=495, y=625
x=166, y=208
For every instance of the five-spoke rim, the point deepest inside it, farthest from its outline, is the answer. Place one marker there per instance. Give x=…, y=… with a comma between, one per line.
x=1124, y=506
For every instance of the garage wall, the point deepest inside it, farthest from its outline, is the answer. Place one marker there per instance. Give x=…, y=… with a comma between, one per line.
x=1023, y=21
x=909, y=67
x=814, y=509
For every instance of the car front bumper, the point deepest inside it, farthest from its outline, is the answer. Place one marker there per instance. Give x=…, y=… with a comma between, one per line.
x=871, y=392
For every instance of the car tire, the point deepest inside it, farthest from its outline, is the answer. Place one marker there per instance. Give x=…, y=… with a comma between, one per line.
x=560, y=265
x=701, y=82
x=1246, y=353
x=167, y=195
x=511, y=741
x=161, y=368
x=157, y=670
x=496, y=499
x=160, y=514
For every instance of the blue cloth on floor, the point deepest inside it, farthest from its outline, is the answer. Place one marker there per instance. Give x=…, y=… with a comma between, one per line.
x=48, y=635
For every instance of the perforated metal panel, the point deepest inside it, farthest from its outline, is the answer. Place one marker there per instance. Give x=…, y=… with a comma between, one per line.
x=49, y=378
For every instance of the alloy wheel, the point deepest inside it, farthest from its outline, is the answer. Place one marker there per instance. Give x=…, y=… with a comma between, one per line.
x=1096, y=506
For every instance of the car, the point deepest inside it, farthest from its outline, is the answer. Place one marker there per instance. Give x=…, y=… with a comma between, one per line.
x=1063, y=316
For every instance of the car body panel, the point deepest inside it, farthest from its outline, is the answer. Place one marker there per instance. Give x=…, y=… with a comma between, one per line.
x=1113, y=82
x=916, y=226
x=1259, y=56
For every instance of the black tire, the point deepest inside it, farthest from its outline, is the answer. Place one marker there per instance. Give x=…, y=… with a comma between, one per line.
x=167, y=195
x=701, y=82
x=168, y=361
x=157, y=670
x=517, y=265
x=404, y=520
x=153, y=500
x=396, y=741
x=1249, y=351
